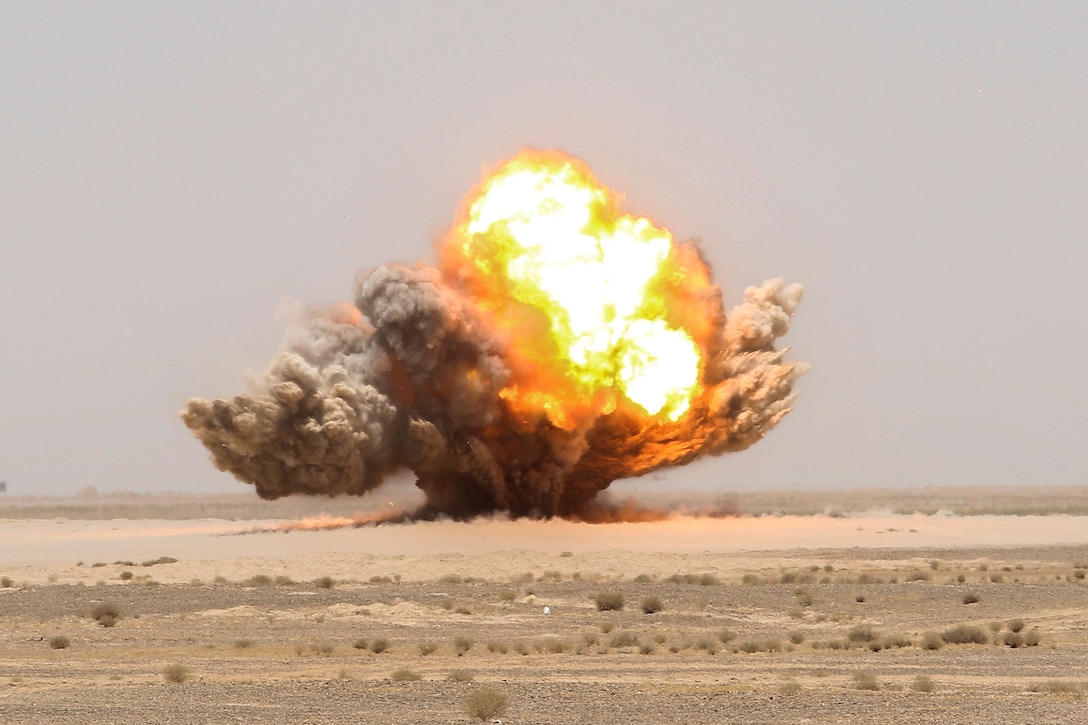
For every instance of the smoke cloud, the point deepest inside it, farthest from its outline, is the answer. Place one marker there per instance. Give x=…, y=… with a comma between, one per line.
x=422, y=370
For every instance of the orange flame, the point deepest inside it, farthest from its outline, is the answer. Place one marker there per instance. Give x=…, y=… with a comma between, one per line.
x=590, y=299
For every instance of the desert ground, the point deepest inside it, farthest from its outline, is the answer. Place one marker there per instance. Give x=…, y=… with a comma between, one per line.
x=930, y=605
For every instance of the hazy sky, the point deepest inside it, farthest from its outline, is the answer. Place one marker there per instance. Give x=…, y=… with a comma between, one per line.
x=171, y=173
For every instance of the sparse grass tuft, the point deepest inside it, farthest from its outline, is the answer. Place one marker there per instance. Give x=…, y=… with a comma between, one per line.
x=406, y=675
x=244, y=643
x=651, y=605
x=461, y=676
x=497, y=646
x=1059, y=687
x=175, y=674
x=607, y=627
x=923, y=683
x=726, y=636
x=59, y=642
x=486, y=703
x=624, y=638
x=789, y=688
x=609, y=601
x=507, y=595
x=427, y=647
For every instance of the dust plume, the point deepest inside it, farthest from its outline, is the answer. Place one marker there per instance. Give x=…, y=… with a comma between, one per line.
x=560, y=344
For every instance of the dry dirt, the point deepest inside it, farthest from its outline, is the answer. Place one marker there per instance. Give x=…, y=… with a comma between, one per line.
x=755, y=636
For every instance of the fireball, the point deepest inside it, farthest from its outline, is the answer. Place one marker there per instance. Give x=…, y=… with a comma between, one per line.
x=579, y=290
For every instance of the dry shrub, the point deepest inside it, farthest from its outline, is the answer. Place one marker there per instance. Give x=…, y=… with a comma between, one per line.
x=726, y=636
x=486, y=703
x=427, y=647
x=1014, y=639
x=797, y=637
x=1016, y=625
x=964, y=634
x=1031, y=639
x=865, y=681
x=646, y=649
x=462, y=644
x=258, y=580
x=325, y=582
x=321, y=648
x=406, y=675
x=789, y=688
x=609, y=601
x=105, y=614
x=175, y=673
x=496, y=646
x=379, y=645
x=607, y=627
x=360, y=643
x=507, y=595
x=553, y=645
x=861, y=633
x=244, y=643
x=651, y=605
x=59, y=642
x=970, y=598
x=932, y=640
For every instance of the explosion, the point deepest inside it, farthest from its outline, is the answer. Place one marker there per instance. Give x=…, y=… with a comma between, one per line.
x=561, y=344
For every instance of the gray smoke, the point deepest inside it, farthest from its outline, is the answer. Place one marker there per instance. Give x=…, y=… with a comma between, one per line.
x=413, y=382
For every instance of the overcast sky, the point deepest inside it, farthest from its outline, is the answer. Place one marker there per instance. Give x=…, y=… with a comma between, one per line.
x=172, y=173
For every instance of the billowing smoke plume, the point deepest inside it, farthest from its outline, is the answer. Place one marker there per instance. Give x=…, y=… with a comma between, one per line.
x=456, y=377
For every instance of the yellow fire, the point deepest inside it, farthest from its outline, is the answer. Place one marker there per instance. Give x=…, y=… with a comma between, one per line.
x=542, y=231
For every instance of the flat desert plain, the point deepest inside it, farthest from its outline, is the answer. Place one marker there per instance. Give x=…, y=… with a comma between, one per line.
x=935, y=606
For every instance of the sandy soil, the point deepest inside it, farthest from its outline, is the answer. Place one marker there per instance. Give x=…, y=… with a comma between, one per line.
x=763, y=619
